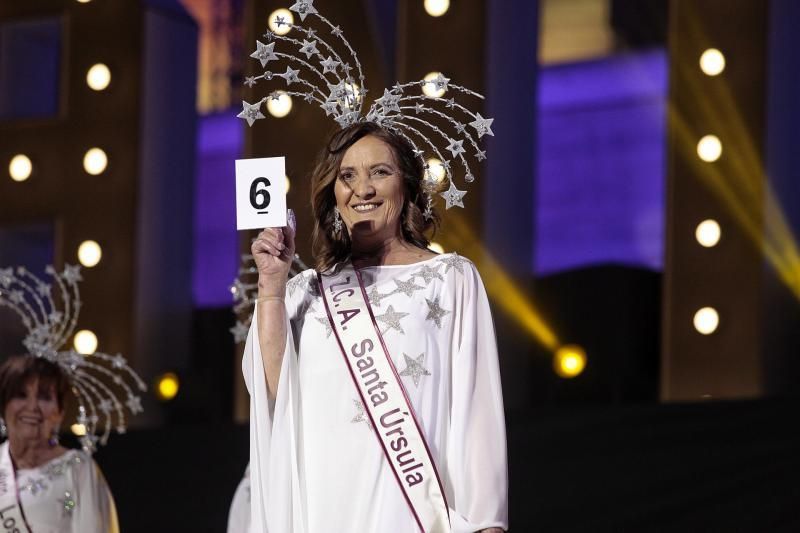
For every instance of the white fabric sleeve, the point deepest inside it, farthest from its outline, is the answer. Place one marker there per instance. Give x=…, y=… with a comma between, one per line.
x=275, y=489
x=476, y=450
x=239, y=513
x=94, y=511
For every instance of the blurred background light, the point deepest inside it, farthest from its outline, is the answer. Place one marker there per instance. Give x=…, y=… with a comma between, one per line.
x=706, y=320
x=436, y=247
x=709, y=148
x=20, y=167
x=89, y=253
x=95, y=161
x=569, y=361
x=281, y=106
x=167, y=386
x=712, y=62
x=436, y=8
x=79, y=430
x=98, y=77
x=286, y=15
x=436, y=170
x=430, y=89
x=85, y=342
x=708, y=233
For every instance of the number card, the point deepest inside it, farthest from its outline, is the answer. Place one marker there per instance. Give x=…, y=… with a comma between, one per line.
x=260, y=193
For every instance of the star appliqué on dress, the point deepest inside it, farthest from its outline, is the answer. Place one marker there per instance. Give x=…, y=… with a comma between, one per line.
x=407, y=287
x=453, y=261
x=361, y=415
x=415, y=369
x=428, y=274
x=392, y=319
x=435, y=312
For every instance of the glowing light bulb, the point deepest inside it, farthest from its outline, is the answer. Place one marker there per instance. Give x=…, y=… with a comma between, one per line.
x=709, y=148
x=275, y=24
x=280, y=105
x=437, y=8
x=706, y=320
x=95, y=161
x=712, y=62
x=20, y=167
x=85, y=342
x=708, y=233
x=168, y=386
x=430, y=89
x=89, y=253
x=569, y=361
x=436, y=170
x=98, y=77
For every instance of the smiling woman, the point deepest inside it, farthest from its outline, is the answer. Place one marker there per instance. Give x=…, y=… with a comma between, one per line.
x=56, y=489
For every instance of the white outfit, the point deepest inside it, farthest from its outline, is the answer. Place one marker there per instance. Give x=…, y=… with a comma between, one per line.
x=239, y=513
x=315, y=463
x=66, y=495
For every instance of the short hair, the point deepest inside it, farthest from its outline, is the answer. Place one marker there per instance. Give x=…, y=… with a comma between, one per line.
x=330, y=248
x=18, y=370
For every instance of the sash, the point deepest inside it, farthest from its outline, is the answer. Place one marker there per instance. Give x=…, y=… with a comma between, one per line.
x=12, y=519
x=384, y=397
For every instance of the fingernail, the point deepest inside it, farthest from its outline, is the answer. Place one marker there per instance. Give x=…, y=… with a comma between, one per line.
x=291, y=219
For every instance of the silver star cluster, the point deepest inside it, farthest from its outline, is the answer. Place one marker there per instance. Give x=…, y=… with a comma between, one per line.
x=104, y=385
x=329, y=81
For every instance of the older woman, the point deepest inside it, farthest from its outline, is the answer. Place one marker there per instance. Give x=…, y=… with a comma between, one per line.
x=385, y=413
x=45, y=487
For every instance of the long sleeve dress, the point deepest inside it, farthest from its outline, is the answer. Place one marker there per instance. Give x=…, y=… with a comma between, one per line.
x=66, y=495
x=316, y=464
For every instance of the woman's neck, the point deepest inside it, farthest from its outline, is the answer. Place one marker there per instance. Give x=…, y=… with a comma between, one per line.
x=392, y=251
x=32, y=453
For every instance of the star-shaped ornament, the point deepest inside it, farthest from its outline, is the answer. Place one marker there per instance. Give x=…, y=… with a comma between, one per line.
x=482, y=125
x=361, y=415
x=418, y=108
x=456, y=147
x=250, y=81
x=72, y=273
x=415, y=369
x=309, y=48
x=480, y=155
x=336, y=31
x=239, y=332
x=452, y=196
x=329, y=65
x=264, y=53
x=389, y=101
x=440, y=82
x=329, y=108
x=134, y=403
x=290, y=75
x=303, y=8
x=251, y=112
x=435, y=312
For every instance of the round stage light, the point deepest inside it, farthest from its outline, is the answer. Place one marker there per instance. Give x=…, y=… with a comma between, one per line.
x=708, y=233
x=436, y=8
x=95, y=161
x=98, y=77
x=429, y=89
x=288, y=183
x=569, y=361
x=709, y=148
x=79, y=430
x=712, y=62
x=85, y=342
x=84, y=1
x=435, y=170
x=89, y=253
x=287, y=20
x=168, y=386
x=436, y=247
x=706, y=320
x=20, y=167
x=279, y=105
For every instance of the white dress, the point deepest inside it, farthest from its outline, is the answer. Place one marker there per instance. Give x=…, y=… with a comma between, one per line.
x=315, y=463
x=239, y=513
x=66, y=495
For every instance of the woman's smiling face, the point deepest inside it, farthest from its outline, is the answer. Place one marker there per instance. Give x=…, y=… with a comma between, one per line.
x=369, y=191
x=33, y=413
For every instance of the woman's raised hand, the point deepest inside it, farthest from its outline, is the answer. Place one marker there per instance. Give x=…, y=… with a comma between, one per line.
x=273, y=253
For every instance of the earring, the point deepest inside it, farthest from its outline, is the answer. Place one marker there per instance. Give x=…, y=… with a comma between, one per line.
x=3, y=428
x=53, y=440
x=337, y=222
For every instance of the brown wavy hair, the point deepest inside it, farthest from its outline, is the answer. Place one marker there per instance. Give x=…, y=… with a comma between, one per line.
x=328, y=247
x=18, y=370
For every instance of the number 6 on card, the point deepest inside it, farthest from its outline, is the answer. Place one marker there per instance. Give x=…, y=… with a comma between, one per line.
x=260, y=193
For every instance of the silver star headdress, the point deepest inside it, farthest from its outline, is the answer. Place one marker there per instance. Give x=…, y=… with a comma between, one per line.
x=99, y=381
x=328, y=80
